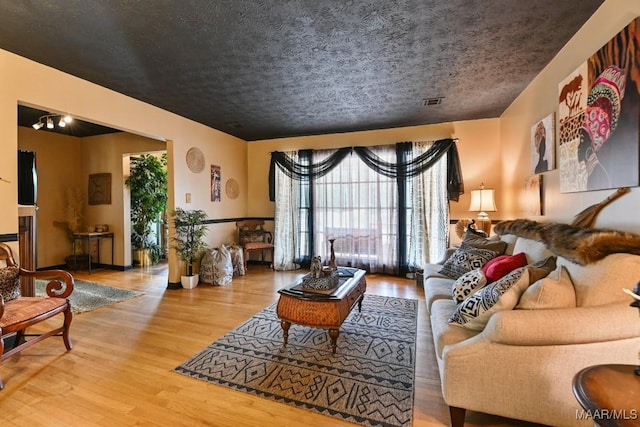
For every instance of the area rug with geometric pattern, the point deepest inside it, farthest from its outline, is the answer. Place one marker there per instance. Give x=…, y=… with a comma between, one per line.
x=368, y=381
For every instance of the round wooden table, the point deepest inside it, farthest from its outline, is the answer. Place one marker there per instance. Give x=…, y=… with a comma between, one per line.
x=609, y=395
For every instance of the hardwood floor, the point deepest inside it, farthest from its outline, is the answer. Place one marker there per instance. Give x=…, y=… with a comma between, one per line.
x=120, y=371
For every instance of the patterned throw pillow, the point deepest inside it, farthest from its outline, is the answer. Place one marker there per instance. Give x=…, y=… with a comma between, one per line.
x=468, y=284
x=10, y=282
x=472, y=239
x=474, y=312
x=465, y=259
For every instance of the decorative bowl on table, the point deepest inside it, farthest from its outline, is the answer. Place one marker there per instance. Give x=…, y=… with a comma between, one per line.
x=325, y=282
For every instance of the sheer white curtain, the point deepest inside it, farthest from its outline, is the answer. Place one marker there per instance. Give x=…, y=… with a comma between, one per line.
x=428, y=219
x=359, y=209
x=287, y=220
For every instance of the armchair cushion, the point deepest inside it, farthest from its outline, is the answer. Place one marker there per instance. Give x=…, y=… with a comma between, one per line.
x=251, y=236
x=254, y=246
x=25, y=308
x=10, y=282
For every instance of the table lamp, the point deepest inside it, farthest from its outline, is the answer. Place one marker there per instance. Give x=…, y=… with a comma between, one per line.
x=483, y=201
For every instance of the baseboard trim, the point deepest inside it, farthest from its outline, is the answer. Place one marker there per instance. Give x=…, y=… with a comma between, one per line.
x=174, y=285
x=224, y=220
x=94, y=266
x=11, y=237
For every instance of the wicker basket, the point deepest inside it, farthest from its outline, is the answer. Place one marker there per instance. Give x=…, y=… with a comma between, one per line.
x=321, y=283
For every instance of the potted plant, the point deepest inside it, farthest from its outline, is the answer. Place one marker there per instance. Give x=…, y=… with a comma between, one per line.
x=188, y=240
x=147, y=183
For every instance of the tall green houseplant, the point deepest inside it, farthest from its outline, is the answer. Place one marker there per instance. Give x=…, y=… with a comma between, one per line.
x=188, y=241
x=147, y=182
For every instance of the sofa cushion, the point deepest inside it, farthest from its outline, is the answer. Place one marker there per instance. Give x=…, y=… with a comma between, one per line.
x=443, y=333
x=504, y=294
x=432, y=270
x=535, y=251
x=499, y=266
x=478, y=241
x=465, y=259
x=10, y=282
x=436, y=288
x=510, y=240
x=601, y=282
x=554, y=291
x=467, y=284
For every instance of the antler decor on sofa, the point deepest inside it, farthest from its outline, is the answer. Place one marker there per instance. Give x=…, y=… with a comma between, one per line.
x=580, y=245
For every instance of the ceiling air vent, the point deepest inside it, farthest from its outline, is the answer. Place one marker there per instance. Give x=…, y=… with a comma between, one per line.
x=426, y=102
x=234, y=125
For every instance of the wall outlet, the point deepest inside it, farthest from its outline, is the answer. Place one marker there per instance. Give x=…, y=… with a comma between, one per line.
x=187, y=198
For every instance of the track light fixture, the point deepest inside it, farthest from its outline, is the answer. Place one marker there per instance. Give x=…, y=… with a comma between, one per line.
x=48, y=121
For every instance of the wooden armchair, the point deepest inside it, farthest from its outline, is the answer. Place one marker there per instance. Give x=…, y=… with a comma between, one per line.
x=17, y=313
x=253, y=237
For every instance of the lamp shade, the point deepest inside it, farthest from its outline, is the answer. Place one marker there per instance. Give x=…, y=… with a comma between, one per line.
x=482, y=201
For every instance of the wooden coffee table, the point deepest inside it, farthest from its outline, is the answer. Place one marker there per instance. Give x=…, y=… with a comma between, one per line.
x=316, y=309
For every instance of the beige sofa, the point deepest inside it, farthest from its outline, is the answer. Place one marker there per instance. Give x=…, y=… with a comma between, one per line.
x=521, y=365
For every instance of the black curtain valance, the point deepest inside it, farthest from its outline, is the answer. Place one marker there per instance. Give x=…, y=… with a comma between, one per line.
x=406, y=169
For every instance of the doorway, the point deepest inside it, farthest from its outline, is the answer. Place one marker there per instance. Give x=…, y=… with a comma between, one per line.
x=65, y=162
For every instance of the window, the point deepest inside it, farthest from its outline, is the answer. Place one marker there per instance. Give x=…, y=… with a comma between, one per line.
x=359, y=209
x=386, y=207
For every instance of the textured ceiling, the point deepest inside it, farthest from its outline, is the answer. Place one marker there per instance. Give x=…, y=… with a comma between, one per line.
x=261, y=69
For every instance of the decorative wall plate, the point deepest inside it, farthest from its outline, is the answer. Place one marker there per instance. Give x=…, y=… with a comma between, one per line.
x=195, y=160
x=232, y=188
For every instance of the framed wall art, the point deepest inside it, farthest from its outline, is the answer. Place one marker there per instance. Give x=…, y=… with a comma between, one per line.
x=99, y=189
x=598, y=115
x=543, y=145
x=216, y=185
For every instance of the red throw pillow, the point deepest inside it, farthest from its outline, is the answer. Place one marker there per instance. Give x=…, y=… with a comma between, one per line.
x=502, y=265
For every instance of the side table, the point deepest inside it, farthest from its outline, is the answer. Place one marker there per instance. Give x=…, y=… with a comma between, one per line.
x=89, y=236
x=609, y=395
